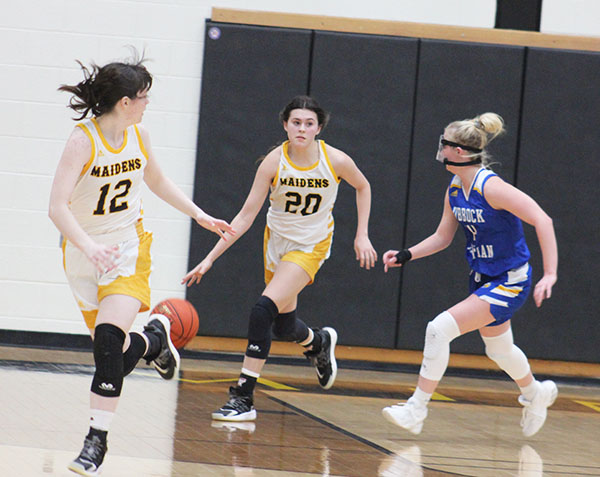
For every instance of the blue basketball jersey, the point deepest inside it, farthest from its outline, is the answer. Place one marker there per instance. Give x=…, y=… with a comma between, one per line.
x=495, y=239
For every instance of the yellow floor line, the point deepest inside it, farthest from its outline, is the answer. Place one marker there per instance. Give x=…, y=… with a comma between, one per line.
x=439, y=397
x=206, y=381
x=274, y=385
x=266, y=382
x=591, y=404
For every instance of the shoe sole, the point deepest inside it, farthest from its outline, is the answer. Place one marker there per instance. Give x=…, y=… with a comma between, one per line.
x=167, y=324
x=334, y=337
x=231, y=426
x=247, y=416
x=554, y=394
x=388, y=416
x=81, y=471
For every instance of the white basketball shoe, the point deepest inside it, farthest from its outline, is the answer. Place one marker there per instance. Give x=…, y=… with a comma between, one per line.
x=409, y=415
x=536, y=410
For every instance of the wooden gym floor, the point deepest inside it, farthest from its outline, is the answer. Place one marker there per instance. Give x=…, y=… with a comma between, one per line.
x=163, y=428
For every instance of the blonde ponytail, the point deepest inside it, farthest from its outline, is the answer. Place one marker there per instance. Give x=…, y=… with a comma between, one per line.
x=477, y=132
x=491, y=123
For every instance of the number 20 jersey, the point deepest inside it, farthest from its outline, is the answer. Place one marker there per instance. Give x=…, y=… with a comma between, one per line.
x=108, y=194
x=302, y=198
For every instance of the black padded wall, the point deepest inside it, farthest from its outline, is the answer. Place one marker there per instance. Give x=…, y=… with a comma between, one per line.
x=390, y=100
x=249, y=75
x=456, y=81
x=367, y=82
x=558, y=167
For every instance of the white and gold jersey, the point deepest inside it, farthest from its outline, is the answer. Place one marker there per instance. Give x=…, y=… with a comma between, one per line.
x=108, y=194
x=302, y=198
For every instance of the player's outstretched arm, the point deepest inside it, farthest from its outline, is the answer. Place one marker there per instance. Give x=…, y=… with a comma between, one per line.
x=244, y=218
x=436, y=242
x=168, y=191
x=218, y=226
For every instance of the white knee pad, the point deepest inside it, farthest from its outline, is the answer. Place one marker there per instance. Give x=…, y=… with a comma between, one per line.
x=440, y=331
x=502, y=350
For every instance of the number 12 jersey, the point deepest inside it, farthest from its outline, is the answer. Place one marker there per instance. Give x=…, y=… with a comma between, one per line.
x=108, y=194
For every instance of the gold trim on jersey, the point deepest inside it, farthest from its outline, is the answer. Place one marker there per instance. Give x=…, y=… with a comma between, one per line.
x=89, y=163
x=63, y=247
x=337, y=178
x=141, y=143
x=105, y=142
x=139, y=228
x=274, y=181
x=322, y=247
x=268, y=273
x=89, y=316
x=295, y=166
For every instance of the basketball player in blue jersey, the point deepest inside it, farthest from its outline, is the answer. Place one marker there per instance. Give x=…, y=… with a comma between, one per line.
x=96, y=205
x=302, y=176
x=490, y=212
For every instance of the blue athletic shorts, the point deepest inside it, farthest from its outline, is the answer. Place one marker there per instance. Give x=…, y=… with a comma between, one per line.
x=505, y=293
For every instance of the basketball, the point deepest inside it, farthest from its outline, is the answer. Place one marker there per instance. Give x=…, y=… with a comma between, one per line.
x=183, y=317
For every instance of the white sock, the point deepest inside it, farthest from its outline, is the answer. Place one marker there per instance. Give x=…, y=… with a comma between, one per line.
x=421, y=397
x=309, y=338
x=530, y=390
x=101, y=419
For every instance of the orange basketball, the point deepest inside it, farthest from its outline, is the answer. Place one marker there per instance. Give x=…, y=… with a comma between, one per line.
x=183, y=317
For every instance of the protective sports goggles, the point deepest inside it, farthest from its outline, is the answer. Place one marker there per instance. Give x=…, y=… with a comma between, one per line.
x=445, y=142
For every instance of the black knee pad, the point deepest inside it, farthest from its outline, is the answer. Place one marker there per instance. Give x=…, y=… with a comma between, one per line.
x=108, y=356
x=259, y=328
x=288, y=327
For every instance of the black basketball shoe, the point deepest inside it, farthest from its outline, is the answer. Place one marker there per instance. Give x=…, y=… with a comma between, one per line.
x=92, y=455
x=324, y=359
x=240, y=407
x=167, y=361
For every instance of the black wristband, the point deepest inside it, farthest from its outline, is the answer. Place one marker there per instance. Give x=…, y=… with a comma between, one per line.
x=403, y=256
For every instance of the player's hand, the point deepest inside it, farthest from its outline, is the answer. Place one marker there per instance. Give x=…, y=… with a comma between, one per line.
x=104, y=257
x=217, y=226
x=389, y=260
x=365, y=252
x=543, y=288
x=196, y=274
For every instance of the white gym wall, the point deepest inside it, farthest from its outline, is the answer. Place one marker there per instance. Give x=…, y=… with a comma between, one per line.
x=39, y=41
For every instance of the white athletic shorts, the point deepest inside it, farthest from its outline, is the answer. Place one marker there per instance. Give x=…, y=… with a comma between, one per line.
x=130, y=277
x=310, y=257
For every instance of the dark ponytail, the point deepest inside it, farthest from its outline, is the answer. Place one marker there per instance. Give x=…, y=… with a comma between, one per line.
x=103, y=86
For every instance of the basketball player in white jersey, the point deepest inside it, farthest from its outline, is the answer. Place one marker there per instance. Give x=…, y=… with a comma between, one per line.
x=302, y=176
x=96, y=205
